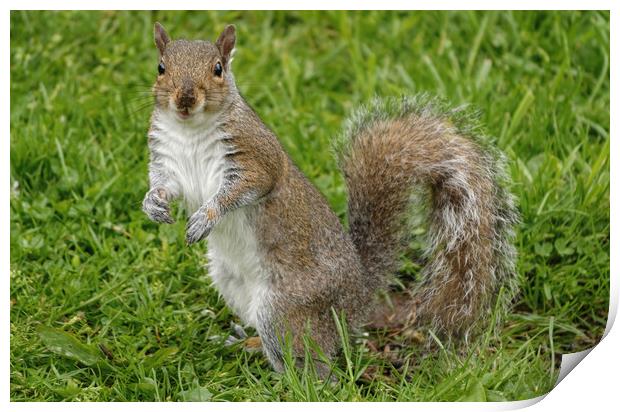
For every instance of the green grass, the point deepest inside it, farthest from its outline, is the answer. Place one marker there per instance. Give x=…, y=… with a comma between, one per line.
x=86, y=261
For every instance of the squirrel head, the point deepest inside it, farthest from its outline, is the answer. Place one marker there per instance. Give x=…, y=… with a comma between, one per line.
x=193, y=76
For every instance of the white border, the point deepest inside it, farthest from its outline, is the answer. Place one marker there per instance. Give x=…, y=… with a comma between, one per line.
x=593, y=383
x=316, y=5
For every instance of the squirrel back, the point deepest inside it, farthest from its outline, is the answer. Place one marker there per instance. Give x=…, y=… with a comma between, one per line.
x=395, y=147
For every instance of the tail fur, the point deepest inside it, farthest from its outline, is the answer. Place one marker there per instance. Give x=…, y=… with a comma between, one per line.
x=396, y=147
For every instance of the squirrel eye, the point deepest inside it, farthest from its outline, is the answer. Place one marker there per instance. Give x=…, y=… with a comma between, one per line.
x=161, y=68
x=218, y=69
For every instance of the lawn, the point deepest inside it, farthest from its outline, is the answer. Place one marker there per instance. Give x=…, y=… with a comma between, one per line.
x=106, y=305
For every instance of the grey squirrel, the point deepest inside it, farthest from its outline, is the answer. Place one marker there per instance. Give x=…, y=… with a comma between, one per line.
x=278, y=254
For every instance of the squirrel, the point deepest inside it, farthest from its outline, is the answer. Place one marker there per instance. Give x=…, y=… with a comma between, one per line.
x=278, y=254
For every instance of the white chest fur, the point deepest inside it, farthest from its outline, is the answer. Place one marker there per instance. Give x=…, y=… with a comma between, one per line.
x=194, y=158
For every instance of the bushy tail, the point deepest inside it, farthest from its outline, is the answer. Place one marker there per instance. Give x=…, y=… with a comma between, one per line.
x=396, y=147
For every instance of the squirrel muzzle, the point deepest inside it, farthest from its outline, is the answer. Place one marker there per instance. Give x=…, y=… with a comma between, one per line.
x=185, y=97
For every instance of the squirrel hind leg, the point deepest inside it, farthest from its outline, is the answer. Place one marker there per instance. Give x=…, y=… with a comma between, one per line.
x=319, y=329
x=270, y=341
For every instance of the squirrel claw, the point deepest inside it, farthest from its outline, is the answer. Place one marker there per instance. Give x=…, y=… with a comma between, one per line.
x=238, y=330
x=199, y=226
x=156, y=207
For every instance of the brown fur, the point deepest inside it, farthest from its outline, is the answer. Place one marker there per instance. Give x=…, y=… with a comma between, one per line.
x=315, y=267
x=469, y=251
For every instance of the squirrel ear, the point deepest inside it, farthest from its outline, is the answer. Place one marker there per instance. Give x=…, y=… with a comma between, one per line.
x=226, y=43
x=161, y=37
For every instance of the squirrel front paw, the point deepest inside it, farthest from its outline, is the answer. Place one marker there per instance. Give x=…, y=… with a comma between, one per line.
x=156, y=206
x=200, y=224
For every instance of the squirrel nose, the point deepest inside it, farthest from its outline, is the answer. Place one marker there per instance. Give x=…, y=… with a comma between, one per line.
x=186, y=97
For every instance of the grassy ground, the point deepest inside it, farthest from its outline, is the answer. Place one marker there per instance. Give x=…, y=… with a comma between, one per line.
x=106, y=305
